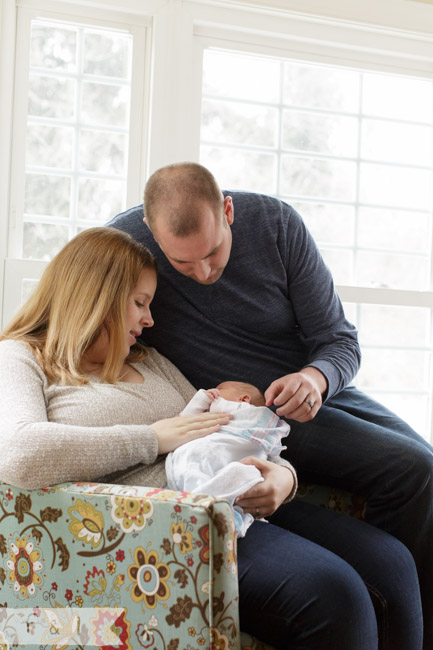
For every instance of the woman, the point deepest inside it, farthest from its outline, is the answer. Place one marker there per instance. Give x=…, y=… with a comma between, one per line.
x=76, y=388
x=77, y=391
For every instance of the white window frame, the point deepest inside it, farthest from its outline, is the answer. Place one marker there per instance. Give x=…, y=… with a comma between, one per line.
x=138, y=27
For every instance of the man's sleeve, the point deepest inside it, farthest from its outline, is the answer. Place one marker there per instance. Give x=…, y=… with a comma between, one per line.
x=331, y=340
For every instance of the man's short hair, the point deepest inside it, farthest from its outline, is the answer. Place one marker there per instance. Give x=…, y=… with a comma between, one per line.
x=177, y=191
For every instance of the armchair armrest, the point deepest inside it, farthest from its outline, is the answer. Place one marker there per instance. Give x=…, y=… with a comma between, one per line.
x=161, y=563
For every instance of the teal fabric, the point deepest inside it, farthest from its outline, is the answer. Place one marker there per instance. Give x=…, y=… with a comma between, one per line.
x=88, y=564
x=162, y=564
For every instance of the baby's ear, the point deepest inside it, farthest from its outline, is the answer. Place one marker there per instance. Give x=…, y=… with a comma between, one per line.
x=245, y=398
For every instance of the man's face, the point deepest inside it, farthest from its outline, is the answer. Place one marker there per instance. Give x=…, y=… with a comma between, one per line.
x=201, y=256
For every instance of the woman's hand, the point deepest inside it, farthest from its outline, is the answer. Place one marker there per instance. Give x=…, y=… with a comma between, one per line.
x=264, y=498
x=174, y=432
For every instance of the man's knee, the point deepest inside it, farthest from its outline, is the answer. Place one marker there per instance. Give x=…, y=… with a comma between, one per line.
x=335, y=589
x=330, y=603
x=416, y=469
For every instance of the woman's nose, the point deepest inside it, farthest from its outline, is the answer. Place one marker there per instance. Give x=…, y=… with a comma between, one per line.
x=147, y=320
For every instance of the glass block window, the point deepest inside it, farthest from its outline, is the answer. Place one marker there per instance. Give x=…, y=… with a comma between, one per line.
x=396, y=345
x=77, y=132
x=352, y=151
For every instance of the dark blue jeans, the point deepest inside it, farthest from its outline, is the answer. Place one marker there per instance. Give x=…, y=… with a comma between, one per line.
x=318, y=580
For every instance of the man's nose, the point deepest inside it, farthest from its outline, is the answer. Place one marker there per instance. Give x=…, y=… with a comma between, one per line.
x=202, y=270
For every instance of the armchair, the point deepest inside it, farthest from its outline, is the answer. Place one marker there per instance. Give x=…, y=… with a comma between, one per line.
x=87, y=564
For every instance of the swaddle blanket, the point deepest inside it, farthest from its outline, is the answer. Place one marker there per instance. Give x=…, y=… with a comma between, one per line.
x=211, y=465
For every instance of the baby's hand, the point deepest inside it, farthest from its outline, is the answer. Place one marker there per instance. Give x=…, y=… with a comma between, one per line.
x=213, y=393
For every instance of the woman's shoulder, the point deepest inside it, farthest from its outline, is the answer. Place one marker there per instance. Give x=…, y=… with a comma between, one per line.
x=11, y=348
x=17, y=354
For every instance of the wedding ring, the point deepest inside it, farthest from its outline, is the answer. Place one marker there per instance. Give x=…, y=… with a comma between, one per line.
x=257, y=514
x=309, y=402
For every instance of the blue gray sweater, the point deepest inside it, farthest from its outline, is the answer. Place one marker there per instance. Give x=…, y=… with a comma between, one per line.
x=273, y=311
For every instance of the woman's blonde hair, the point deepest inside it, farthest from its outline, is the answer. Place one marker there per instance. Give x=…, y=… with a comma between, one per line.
x=87, y=283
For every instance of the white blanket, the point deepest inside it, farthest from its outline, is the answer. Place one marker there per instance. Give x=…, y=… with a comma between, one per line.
x=211, y=465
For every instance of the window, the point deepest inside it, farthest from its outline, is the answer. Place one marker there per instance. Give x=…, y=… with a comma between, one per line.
x=77, y=155
x=352, y=151
x=77, y=132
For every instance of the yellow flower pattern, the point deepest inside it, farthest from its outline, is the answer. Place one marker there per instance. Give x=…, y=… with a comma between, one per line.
x=78, y=550
x=220, y=641
x=149, y=576
x=23, y=564
x=4, y=643
x=131, y=513
x=181, y=537
x=87, y=523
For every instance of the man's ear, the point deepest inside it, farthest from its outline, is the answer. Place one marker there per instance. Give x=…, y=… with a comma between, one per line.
x=147, y=224
x=228, y=210
x=245, y=398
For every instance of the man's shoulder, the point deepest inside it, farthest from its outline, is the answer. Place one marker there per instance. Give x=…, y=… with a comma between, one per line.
x=270, y=215
x=131, y=221
x=132, y=214
x=242, y=196
x=260, y=205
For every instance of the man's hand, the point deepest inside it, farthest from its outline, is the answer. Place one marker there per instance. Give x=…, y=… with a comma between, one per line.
x=264, y=498
x=298, y=396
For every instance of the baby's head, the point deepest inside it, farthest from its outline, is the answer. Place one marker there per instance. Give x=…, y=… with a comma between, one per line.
x=239, y=391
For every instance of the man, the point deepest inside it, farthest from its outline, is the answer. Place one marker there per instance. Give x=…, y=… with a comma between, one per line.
x=243, y=292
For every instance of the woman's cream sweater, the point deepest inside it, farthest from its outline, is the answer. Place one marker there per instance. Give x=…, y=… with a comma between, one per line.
x=50, y=434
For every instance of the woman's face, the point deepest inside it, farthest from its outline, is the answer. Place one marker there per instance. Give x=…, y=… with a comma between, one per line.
x=137, y=316
x=138, y=313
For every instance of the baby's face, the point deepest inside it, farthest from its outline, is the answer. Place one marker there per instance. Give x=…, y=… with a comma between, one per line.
x=231, y=390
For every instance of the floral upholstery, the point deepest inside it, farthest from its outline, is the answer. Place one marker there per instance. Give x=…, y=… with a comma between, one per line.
x=333, y=499
x=123, y=567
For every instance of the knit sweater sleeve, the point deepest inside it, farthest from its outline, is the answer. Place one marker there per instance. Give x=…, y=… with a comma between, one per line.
x=35, y=452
